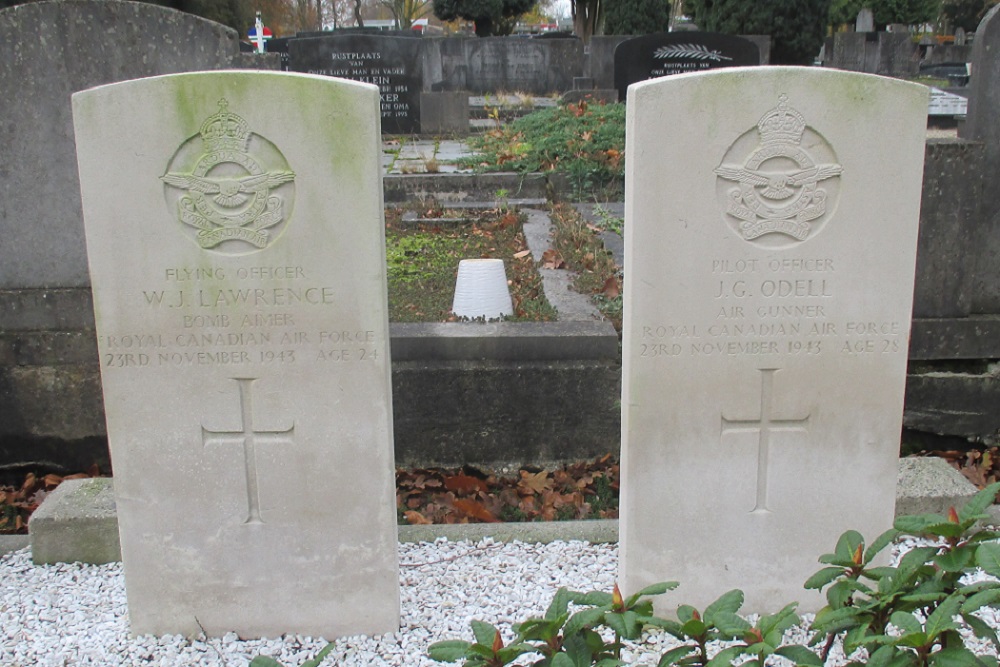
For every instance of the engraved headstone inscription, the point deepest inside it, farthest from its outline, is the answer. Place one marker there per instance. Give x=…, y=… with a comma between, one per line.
x=664, y=54
x=235, y=238
x=768, y=291
x=391, y=63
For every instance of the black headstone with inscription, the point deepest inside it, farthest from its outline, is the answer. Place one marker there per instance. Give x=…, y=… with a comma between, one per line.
x=391, y=63
x=663, y=54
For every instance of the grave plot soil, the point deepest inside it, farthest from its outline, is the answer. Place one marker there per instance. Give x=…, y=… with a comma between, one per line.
x=422, y=261
x=586, y=490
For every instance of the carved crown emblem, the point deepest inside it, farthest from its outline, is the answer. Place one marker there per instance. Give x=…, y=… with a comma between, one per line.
x=225, y=130
x=781, y=125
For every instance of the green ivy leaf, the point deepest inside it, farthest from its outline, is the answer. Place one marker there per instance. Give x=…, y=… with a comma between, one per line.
x=847, y=545
x=800, y=655
x=839, y=594
x=686, y=612
x=725, y=657
x=916, y=524
x=484, y=632
x=880, y=543
x=559, y=605
x=655, y=589
x=953, y=656
x=940, y=619
x=509, y=653
x=591, y=598
x=729, y=602
x=984, y=536
x=945, y=529
x=674, y=655
x=906, y=622
x=981, y=629
x=563, y=660
x=882, y=657
x=446, y=651
x=731, y=625
x=990, y=597
x=694, y=628
x=976, y=507
x=583, y=619
x=669, y=626
x=823, y=577
x=830, y=621
x=617, y=623
x=268, y=661
x=988, y=558
x=955, y=560
x=855, y=638
x=315, y=662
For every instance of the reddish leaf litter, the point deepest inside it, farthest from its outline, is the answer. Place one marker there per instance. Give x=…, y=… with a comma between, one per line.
x=431, y=495
x=467, y=495
x=980, y=466
x=17, y=503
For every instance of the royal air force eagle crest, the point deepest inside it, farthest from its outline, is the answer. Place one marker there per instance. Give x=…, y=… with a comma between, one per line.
x=779, y=182
x=232, y=189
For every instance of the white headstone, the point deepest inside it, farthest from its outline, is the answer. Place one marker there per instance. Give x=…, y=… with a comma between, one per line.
x=865, y=21
x=768, y=289
x=234, y=232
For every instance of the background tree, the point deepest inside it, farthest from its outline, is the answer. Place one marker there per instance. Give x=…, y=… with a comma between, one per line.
x=586, y=14
x=846, y=11
x=406, y=11
x=909, y=12
x=965, y=14
x=636, y=17
x=796, y=27
x=492, y=17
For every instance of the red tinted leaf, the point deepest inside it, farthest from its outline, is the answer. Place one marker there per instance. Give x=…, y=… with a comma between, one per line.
x=416, y=518
x=464, y=484
x=475, y=509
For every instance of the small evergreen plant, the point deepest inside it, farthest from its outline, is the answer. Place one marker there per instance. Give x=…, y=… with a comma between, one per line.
x=906, y=615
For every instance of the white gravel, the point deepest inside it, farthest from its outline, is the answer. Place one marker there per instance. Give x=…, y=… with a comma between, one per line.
x=73, y=614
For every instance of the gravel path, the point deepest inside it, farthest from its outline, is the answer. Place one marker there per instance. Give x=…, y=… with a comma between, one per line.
x=72, y=614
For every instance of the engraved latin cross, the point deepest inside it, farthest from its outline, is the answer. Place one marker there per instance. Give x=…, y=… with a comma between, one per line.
x=249, y=439
x=764, y=426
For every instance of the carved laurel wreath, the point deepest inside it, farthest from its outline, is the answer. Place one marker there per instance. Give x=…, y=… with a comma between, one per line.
x=691, y=51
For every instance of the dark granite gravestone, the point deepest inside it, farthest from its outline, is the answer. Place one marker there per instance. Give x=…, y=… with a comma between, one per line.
x=391, y=63
x=663, y=54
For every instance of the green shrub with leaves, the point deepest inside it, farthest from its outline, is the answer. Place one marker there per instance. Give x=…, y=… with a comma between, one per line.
x=563, y=638
x=585, y=141
x=904, y=615
x=911, y=614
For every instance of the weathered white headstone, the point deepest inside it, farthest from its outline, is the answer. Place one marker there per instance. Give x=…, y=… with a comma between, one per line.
x=865, y=22
x=770, y=245
x=235, y=238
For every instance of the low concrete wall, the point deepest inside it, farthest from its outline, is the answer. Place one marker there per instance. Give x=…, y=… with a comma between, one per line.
x=497, y=395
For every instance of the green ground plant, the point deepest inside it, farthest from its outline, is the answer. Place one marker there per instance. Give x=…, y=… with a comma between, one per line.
x=585, y=141
x=911, y=614
x=422, y=263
